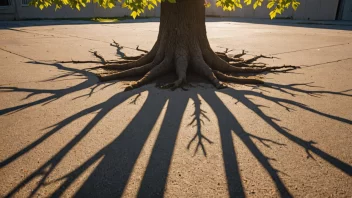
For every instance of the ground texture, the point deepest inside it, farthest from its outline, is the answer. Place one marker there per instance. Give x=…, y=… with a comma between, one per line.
x=63, y=133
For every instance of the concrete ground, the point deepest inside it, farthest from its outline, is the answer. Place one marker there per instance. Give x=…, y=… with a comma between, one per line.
x=64, y=134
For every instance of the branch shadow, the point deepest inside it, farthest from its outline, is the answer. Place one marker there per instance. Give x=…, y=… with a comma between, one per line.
x=117, y=159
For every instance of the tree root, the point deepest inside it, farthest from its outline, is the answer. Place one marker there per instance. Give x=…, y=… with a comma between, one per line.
x=95, y=53
x=174, y=85
x=226, y=58
x=163, y=68
x=284, y=68
x=215, y=74
x=123, y=55
x=240, y=55
x=228, y=78
x=251, y=60
x=216, y=67
x=99, y=62
x=145, y=51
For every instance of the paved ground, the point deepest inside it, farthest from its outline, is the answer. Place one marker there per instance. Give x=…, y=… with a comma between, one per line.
x=64, y=134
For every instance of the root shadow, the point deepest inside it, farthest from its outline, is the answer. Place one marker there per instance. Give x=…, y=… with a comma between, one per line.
x=117, y=159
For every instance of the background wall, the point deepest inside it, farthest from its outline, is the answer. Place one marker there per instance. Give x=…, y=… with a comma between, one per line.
x=346, y=10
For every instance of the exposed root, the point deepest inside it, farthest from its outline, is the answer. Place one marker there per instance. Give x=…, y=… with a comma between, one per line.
x=145, y=51
x=241, y=64
x=163, y=68
x=226, y=58
x=227, y=78
x=78, y=62
x=174, y=85
x=123, y=55
x=95, y=53
x=203, y=69
x=99, y=62
x=215, y=67
x=132, y=57
x=128, y=64
x=218, y=64
x=251, y=60
x=240, y=55
x=137, y=71
x=284, y=68
x=215, y=74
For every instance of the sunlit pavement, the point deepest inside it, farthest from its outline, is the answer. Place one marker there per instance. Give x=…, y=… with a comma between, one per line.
x=65, y=134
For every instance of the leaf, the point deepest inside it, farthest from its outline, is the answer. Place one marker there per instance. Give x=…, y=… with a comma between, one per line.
x=272, y=14
x=218, y=3
x=248, y=2
x=270, y=4
x=77, y=6
x=134, y=14
x=295, y=5
x=111, y=5
x=255, y=5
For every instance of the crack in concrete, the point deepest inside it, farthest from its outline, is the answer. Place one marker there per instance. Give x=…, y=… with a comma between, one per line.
x=24, y=31
x=327, y=46
x=68, y=35
x=334, y=61
x=8, y=51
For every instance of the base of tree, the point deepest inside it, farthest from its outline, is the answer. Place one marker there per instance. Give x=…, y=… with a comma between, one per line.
x=224, y=71
x=182, y=45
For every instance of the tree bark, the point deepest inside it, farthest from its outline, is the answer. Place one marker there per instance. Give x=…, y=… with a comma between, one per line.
x=182, y=44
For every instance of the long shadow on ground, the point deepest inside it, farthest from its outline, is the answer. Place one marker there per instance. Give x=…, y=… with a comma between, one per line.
x=117, y=159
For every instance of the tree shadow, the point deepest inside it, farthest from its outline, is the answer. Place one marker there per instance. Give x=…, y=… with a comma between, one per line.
x=117, y=159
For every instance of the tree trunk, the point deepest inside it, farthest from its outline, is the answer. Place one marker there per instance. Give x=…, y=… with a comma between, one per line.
x=182, y=44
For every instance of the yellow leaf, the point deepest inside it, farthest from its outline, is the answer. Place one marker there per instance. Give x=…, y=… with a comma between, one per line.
x=272, y=14
x=134, y=14
x=295, y=5
x=270, y=4
x=150, y=7
x=255, y=5
x=77, y=6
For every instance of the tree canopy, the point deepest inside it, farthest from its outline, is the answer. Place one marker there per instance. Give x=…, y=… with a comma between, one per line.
x=137, y=7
